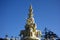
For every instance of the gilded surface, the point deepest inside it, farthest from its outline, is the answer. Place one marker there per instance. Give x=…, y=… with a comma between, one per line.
x=30, y=32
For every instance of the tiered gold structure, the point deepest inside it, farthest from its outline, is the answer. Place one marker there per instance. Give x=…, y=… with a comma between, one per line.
x=30, y=32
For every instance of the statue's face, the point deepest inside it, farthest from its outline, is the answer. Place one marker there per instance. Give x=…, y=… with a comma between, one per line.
x=30, y=20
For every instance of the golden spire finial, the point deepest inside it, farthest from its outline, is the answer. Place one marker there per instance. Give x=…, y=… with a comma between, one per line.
x=30, y=6
x=30, y=11
x=30, y=16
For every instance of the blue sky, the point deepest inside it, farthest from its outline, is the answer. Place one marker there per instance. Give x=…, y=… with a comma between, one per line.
x=13, y=15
